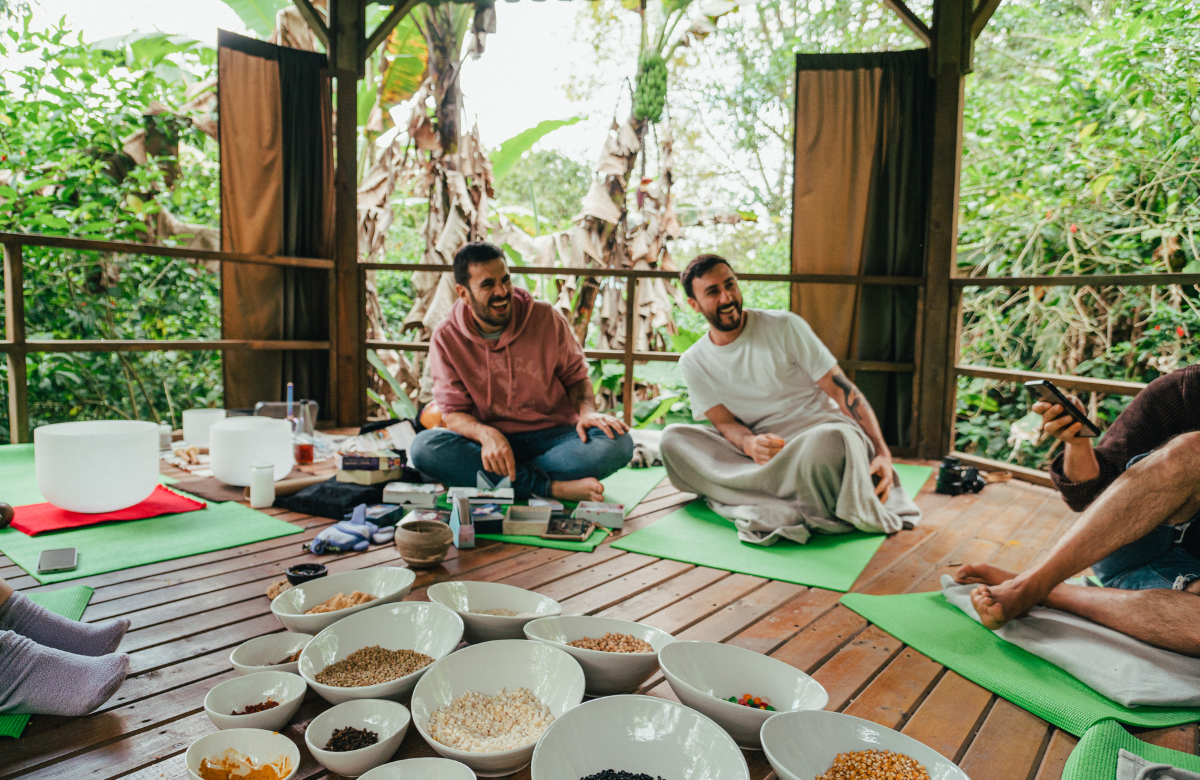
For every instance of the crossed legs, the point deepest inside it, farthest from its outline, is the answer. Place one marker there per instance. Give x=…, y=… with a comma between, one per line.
x=1162, y=489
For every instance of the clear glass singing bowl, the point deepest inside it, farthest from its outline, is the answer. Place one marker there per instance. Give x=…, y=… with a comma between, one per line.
x=96, y=466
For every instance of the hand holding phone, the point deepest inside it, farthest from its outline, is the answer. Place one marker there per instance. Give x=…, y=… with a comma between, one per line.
x=1063, y=418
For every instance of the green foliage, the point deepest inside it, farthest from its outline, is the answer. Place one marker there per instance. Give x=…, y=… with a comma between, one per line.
x=258, y=15
x=512, y=150
x=548, y=184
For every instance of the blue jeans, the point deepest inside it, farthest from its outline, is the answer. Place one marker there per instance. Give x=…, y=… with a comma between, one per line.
x=1154, y=562
x=543, y=456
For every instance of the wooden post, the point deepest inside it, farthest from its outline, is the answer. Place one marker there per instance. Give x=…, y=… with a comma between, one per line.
x=14, y=331
x=951, y=54
x=627, y=386
x=347, y=33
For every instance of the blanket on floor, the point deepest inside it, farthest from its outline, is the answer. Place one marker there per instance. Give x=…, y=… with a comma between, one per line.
x=1129, y=672
x=819, y=481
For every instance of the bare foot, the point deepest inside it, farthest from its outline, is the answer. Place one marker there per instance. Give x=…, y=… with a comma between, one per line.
x=1000, y=603
x=982, y=574
x=588, y=489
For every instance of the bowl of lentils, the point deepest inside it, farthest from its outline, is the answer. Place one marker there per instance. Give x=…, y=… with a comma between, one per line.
x=354, y=737
x=616, y=655
x=635, y=738
x=488, y=704
x=380, y=653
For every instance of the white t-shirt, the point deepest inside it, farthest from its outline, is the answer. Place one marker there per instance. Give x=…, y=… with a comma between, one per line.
x=767, y=377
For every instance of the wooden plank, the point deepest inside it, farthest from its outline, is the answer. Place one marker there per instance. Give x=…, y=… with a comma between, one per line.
x=1078, y=280
x=743, y=612
x=14, y=330
x=852, y=667
x=913, y=22
x=664, y=595
x=701, y=604
x=1023, y=473
x=970, y=551
x=565, y=567
x=784, y=623
x=950, y=715
x=1055, y=758
x=172, y=650
x=1009, y=744
x=1181, y=738
x=566, y=587
x=892, y=697
x=178, y=345
x=818, y=642
x=616, y=591
x=132, y=248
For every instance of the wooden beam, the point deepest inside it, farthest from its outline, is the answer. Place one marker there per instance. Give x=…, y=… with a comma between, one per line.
x=1023, y=473
x=313, y=18
x=398, y=12
x=631, y=291
x=1084, y=383
x=134, y=248
x=14, y=331
x=914, y=23
x=347, y=24
x=1078, y=280
x=13, y=347
x=951, y=22
x=982, y=15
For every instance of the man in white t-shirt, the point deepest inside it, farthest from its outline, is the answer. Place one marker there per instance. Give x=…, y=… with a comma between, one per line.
x=796, y=446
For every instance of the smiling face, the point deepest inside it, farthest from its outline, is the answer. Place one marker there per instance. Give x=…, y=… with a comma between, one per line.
x=716, y=295
x=488, y=294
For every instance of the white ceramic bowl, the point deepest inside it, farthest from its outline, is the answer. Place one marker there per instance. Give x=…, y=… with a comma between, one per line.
x=413, y=625
x=421, y=769
x=237, y=443
x=259, y=654
x=463, y=597
x=262, y=747
x=386, y=583
x=637, y=734
x=552, y=676
x=196, y=423
x=121, y=458
x=386, y=718
x=284, y=687
x=606, y=673
x=705, y=674
x=802, y=745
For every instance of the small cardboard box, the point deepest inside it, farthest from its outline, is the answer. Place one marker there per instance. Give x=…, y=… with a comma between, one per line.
x=601, y=513
x=362, y=477
x=526, y=520
x=382, y=460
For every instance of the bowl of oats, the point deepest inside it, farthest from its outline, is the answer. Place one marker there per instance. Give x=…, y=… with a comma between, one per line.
x=380, y=653
x=488, y=705
x=493, y=610
x=318, y=604
x=616, y=655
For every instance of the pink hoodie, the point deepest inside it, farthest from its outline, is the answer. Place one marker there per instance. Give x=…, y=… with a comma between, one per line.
x=518, y=382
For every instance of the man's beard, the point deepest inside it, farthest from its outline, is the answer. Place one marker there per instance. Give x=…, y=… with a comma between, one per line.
x=484, y=310
x=715, y=318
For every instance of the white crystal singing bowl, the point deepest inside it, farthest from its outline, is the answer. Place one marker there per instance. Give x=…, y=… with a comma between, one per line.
x=237, y=443
x=96, y=466
x=196, y=423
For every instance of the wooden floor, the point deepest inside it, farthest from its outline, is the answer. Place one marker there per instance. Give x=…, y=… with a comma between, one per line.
x=188, y=614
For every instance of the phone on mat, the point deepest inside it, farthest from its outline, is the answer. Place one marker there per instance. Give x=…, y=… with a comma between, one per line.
x=63, y=559
x=1046, y=391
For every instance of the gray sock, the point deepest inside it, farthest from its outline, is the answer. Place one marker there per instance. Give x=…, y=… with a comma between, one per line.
x=39, y=680
x=21, y=615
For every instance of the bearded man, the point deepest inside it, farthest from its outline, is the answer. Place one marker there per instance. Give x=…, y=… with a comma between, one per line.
x=794, y=447
x=513, y=388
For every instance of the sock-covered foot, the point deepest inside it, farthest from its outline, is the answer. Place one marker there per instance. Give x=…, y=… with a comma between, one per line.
x=39, y=680
x=21, y=615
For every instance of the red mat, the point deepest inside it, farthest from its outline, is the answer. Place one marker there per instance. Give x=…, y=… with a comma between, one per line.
x=37, y=519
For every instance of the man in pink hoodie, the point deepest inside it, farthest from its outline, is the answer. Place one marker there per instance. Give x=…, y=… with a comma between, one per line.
x=513, y=388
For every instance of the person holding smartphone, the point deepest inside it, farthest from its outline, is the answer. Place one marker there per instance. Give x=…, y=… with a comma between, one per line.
x=1139, y=492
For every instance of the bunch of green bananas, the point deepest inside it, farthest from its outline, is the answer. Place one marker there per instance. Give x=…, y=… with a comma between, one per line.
x=650, y=93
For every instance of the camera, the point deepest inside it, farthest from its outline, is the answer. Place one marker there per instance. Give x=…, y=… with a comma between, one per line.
x=954, y=479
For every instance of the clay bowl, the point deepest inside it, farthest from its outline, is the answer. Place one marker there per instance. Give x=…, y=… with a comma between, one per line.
x=423, y=543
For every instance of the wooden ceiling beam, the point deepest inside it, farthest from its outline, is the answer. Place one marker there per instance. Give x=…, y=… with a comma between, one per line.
x=398, y=12
x=314, y=20
x=914, y=23
x=982, y=16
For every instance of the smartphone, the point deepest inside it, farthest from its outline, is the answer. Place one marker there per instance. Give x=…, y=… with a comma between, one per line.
x=1046, y=391
x=63, y=559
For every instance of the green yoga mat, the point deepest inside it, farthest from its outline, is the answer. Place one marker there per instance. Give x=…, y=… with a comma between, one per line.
x=113, y=546
x=628, y=486
x=69, y=602
x=1095, y=757
x=18, y=479
x=941, y=631
x=696, y=534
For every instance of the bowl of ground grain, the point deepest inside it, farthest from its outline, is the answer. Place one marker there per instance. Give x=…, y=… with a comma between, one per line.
x=616, y=655
x=706, y=675
x=421, y=769
x=637, y=735
x=356, y=736
x=240, y=753
x=493, y=610
x=487, y=705
x=807, y=745
x=265, y=700
x=380, y=653
x=271, y=653
x=317, y=605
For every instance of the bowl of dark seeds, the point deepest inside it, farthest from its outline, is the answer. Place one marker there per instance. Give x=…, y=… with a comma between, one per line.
x=356, y=736
x=636, y=738
x=305, y=572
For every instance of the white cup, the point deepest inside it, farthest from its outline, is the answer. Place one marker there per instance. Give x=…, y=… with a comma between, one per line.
x=262, y=485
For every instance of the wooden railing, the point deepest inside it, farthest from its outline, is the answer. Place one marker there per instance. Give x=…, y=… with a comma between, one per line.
x=16, y=346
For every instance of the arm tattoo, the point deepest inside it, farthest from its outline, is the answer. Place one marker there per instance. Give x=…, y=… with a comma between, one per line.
x=850, y=393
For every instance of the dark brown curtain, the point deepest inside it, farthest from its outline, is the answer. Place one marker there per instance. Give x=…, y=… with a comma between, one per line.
x=862, y=169
x=276, y=198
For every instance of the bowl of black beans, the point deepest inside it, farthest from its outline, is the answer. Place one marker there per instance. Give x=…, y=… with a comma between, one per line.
x=356, y=736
